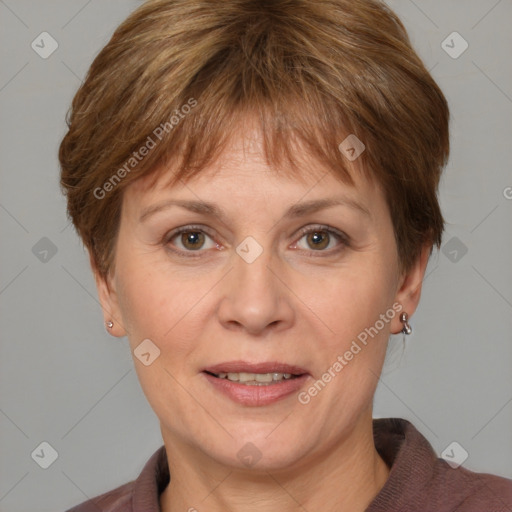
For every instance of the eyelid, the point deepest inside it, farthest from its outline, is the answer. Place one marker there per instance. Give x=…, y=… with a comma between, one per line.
x=183, y=229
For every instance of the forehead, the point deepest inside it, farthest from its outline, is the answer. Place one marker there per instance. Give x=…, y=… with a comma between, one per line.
x=241, y=171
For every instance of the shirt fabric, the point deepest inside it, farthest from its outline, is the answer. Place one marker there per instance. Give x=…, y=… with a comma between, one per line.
x=418, y=480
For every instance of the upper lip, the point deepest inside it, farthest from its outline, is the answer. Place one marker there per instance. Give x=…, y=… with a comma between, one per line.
x=263, y=367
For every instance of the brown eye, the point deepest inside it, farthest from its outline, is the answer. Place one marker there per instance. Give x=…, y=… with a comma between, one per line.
x=322, y=240
x=192, y=240
x=188, y=240
x=318, y=239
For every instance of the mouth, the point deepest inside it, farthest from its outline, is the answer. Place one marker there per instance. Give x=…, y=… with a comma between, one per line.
x=254, y=374
x=256, y=384
x=254, y=379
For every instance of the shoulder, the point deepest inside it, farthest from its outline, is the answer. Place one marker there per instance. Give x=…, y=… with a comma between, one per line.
x=140, y=495
x=471, y=491
x=116, y=500
x=420, y=480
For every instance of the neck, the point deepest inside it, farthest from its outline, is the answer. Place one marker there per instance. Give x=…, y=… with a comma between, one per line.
x=345, y=477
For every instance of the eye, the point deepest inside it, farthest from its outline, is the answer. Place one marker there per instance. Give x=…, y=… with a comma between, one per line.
x=322, y=239
x=189, y=239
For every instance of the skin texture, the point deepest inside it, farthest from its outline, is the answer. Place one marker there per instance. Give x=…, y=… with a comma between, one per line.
x=295, y=303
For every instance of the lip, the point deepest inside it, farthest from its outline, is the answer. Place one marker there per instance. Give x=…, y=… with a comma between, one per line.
x=263, y=367
x=256, y=396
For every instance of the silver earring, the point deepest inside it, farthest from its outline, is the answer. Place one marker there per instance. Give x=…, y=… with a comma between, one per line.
x=407, y=329
x=109, y=324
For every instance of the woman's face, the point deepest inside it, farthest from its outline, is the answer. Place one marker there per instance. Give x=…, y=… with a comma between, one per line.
x=265, y=280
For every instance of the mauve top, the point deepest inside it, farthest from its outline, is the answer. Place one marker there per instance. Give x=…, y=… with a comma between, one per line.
x=418, y=480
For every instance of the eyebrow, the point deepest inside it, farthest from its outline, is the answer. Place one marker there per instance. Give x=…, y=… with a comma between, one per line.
x=296, y=210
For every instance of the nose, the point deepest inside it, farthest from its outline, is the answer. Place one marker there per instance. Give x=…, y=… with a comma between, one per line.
x=255, y=298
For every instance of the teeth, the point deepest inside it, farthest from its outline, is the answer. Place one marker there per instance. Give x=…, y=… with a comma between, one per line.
x=252, y=379
x=264, y=377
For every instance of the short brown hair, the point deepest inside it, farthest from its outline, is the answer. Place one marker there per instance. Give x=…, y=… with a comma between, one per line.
x=311, y=71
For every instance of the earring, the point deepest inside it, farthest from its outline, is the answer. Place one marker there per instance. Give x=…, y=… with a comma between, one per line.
x=407, y=329
x=109, y=324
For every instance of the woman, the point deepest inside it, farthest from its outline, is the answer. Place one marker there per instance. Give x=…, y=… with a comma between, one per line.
x=256, y=184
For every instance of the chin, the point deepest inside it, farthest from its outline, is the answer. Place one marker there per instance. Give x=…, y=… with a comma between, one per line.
x=261, y=452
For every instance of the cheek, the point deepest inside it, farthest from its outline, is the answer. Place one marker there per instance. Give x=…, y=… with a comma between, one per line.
x=352, y=299
x=353, y=349
x=161, y=305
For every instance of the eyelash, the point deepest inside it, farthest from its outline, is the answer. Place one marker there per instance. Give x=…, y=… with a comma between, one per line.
x=342, y=237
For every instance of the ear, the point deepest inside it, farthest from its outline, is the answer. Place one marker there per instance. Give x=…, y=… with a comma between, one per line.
x=108, y=300
x=409, y=290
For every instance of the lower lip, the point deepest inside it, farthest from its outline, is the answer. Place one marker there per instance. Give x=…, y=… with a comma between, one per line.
x=257, y=395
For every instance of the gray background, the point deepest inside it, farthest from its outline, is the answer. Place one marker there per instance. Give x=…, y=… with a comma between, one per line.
x=65, y=381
